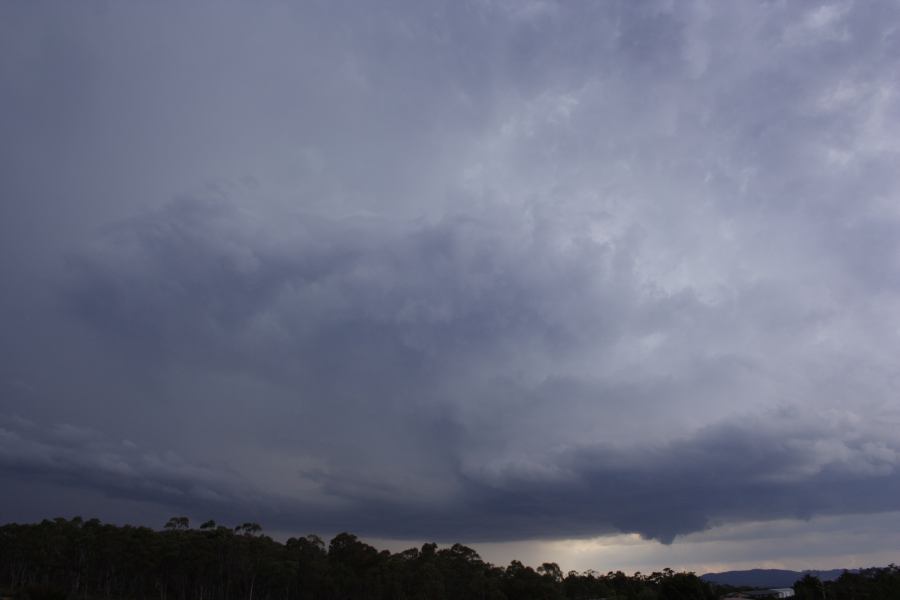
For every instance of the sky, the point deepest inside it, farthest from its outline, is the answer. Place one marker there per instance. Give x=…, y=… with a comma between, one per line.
x=613, y=284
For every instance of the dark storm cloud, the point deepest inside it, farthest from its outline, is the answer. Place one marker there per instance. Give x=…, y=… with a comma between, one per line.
x=201, y=272
x=419, y=328
x=480, y=270
x=734, y=471
x=72, y=456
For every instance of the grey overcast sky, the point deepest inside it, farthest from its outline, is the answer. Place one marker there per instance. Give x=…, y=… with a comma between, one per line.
x=615, y=284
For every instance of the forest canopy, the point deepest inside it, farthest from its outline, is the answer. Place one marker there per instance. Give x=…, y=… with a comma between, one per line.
x=77, y=558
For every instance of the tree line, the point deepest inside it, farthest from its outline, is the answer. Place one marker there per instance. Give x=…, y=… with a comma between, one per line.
x=91, y=560
x=865, y=584
x=77, y=559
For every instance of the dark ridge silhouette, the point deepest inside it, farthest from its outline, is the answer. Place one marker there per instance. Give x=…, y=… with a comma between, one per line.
x=769, y=578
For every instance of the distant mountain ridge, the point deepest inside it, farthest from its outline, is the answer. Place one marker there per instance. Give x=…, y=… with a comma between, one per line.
x=769, y=578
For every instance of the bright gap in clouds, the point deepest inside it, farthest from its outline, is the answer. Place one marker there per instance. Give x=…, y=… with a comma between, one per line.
x=781, y=544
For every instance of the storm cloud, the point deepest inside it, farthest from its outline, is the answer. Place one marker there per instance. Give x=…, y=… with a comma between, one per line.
x=465, y=271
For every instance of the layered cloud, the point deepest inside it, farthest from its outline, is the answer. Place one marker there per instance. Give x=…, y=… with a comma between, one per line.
x=480, y=271
x=504, y=373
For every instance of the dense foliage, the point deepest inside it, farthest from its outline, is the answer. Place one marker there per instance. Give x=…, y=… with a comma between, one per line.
x=79, y=559
x=868, y=584
x=88, y=559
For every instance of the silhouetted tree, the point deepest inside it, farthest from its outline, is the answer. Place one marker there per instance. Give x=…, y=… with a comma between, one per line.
x=809, y=588
x=90, y=560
